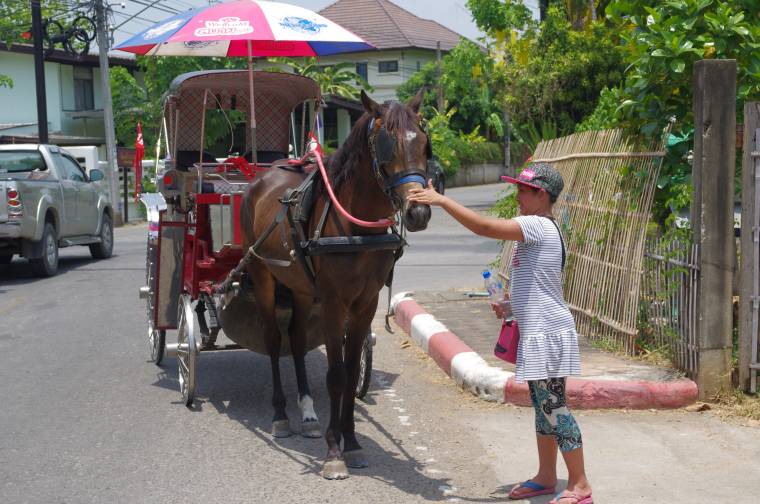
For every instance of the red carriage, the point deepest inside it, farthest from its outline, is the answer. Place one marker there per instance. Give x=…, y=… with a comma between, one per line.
x=195, y=283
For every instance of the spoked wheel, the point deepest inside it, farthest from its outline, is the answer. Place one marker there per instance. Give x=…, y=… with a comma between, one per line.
x=365, y=367
x=156, y=337
x=188, y=346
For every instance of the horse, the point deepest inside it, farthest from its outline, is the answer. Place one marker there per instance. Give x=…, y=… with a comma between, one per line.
x=383, y=157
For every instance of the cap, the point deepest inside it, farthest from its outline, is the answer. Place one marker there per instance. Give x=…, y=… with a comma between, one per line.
x=539, y=176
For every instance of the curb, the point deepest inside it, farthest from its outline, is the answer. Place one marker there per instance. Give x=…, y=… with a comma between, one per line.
x=471, y=372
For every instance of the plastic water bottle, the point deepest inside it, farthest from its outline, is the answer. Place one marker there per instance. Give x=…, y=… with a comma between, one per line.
x=494, y=287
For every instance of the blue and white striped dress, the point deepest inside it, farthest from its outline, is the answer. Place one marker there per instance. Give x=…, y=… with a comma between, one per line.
x=548, y=340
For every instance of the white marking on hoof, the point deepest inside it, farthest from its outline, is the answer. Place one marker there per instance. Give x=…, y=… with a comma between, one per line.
x=335, y=470
x=306, y=403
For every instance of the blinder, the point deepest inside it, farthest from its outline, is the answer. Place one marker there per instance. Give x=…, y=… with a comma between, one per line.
x=383, y=149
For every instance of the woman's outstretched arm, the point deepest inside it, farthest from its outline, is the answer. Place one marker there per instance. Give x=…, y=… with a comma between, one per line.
x=491, y=227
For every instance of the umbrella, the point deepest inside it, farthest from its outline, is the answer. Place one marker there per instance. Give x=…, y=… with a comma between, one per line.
x=252, y=28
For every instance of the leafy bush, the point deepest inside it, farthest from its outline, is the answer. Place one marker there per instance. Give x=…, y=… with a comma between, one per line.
x=467, y=81
x=663, y=42
x=455, y=149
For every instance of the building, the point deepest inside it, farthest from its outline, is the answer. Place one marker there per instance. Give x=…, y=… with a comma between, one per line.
x=404, y=42
x=73, y=94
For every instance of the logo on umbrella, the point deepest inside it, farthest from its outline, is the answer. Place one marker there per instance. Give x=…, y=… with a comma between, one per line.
x=301, y=25
x=160, y=30
x=224, y=26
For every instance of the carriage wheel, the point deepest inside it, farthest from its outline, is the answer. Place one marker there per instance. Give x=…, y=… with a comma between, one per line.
x=365, y=367
x=187, y=349
x=156, y=337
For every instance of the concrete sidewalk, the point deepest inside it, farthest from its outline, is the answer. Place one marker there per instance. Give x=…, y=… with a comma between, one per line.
x=459, y=333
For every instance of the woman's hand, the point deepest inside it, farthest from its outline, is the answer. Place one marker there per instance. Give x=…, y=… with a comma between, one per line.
x=425, y=196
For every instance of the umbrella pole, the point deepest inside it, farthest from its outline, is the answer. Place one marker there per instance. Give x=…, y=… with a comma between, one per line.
x=253, y=105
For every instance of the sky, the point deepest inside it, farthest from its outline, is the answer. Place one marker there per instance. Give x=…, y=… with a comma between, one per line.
x=450, y=13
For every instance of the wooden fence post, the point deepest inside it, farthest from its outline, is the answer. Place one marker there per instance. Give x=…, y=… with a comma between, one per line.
x=712, y=218
x=748, y=280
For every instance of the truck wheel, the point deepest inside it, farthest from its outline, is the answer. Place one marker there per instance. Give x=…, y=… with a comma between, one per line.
x=47, y=265
x=104, y=249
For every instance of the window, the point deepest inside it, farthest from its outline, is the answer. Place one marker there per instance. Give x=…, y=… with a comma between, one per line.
x=361, y=69
x=21, y=161
x=83, y=90
x=72, y=170
x=387, y=66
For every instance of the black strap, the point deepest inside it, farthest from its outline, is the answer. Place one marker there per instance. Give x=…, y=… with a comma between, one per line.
x=562, y=241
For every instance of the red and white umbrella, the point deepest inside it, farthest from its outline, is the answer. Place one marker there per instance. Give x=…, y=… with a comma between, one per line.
x=252, y=28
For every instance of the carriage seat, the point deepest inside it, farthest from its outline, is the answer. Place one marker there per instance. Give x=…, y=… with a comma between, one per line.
x=187, y=158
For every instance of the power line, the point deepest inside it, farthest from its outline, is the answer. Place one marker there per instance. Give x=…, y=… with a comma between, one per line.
x=134, y=16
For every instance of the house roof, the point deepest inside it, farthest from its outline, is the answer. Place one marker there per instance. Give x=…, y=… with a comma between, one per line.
x=387, y=26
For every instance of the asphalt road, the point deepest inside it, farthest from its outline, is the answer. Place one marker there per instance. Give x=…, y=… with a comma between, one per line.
x=85, y=418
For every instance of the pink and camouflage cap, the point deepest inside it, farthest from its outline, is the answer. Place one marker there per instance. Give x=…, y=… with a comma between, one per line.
x=539, y=176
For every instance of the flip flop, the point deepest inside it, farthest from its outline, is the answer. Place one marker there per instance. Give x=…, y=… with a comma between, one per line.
x=535, y=488
x=577, y=499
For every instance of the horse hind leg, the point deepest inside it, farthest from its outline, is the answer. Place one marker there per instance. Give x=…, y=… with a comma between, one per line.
x=302, y=305
x=359, y=325
x=264, y=285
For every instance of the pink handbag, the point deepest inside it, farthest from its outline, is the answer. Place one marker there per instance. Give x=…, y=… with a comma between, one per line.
x=509, y=338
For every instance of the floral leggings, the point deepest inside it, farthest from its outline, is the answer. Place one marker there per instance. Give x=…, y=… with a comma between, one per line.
x=553, y=418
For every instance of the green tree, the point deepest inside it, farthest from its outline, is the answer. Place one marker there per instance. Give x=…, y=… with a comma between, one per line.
x=554, y=74
x=467, y=74
x=16, y=18
x=340, y=79
x=661, y=44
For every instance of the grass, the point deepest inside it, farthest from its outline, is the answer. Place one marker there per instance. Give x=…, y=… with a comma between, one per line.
x=736, y=404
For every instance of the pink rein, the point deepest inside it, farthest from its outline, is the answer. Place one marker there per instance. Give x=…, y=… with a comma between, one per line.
x=374, y=224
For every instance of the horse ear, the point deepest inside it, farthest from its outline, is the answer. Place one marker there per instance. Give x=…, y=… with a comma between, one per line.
x=415, y=102
x=370, y=105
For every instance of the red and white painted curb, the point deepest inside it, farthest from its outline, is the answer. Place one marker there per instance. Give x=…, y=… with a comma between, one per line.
x=471, y=372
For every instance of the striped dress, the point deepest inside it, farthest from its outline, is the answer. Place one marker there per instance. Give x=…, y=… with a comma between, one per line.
x=548, y=345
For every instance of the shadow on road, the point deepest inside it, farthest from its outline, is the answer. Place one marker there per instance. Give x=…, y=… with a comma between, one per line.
x=238, y=384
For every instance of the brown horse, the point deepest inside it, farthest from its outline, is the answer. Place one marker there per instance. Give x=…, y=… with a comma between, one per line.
x=382, y=159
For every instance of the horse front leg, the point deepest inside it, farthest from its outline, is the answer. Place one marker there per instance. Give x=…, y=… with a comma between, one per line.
x=333, y=324
x=359, y=325
x=299, y=325
x=264, y=290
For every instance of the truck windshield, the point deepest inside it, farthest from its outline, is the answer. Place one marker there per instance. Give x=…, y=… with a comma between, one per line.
x=21, y=161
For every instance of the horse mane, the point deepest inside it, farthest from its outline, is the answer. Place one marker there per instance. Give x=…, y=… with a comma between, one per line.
x=346, y=161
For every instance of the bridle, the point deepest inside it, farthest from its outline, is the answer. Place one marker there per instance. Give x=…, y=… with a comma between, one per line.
x=382, y=147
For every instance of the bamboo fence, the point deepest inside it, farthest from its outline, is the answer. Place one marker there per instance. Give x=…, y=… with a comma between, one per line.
x=603, y=212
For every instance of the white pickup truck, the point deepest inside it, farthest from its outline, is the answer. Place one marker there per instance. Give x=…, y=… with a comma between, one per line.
x=48, y=201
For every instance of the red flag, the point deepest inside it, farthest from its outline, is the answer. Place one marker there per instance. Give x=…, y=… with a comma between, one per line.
x=137, y=165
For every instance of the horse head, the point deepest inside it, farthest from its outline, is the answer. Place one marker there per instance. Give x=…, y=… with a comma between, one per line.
x=399, y=149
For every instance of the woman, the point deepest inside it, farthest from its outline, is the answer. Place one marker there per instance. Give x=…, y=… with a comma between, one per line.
x=548, y=349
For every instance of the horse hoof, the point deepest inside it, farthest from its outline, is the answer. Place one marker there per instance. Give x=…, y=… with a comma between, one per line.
x=281, y=429
x=311, y=429
x=335, y=470
x=355, y=459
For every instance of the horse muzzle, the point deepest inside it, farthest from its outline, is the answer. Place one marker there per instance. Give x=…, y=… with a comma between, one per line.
x=416, y=216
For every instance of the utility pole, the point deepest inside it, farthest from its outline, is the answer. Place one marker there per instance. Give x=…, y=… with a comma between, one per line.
x=439, y=73
x=105, y=82
x=39, y=73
